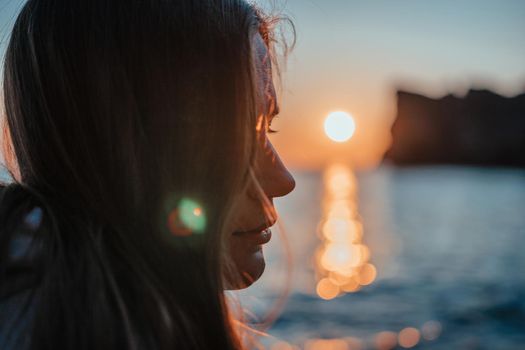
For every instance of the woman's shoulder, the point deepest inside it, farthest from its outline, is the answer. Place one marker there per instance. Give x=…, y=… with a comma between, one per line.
x=20, y=261
x=20, y=244
x=15, y=317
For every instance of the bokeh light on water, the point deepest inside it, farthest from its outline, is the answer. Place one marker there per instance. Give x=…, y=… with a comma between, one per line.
x=431, y=330
x=385, y=340
x=342, y=260
x=409, y=337
x=447, y=246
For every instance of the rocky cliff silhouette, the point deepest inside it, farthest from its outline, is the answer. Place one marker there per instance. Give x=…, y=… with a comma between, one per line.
x=482, y=128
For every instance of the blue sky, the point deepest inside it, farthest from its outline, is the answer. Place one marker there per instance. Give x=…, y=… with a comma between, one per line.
x=446, y=42
x=443, y=41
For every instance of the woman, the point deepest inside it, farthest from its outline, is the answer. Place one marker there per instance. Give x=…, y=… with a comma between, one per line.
x=137, y=132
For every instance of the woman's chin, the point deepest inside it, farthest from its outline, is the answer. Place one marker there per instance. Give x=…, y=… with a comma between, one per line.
x=249, y=263
x=253, y=268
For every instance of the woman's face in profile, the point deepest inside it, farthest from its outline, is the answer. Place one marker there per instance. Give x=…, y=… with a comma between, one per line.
x=249, y=230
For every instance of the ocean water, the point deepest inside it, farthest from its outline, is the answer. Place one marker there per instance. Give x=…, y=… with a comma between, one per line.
x=448, y=246
x=448, y=249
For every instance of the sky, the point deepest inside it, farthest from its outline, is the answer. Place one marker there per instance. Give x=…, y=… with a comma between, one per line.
x=352, y=56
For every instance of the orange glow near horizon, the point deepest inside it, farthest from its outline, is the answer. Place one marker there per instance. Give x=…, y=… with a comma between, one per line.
x=303, y=143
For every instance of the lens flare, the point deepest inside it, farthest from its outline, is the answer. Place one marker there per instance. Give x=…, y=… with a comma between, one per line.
x=175, y=225
x=187, y=218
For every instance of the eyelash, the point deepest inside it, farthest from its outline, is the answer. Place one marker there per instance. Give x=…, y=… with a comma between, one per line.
x=270, y=130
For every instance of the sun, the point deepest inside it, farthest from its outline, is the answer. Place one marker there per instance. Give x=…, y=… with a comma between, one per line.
x=339, y=126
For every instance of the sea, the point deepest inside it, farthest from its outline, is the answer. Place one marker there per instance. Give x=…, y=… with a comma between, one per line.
x=429, y=257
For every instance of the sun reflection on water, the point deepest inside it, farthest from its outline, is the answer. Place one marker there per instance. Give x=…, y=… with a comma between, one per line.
x=342, y=260
x=343, y=265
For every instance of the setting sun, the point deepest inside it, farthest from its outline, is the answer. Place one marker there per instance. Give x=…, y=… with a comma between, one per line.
x=339, y=126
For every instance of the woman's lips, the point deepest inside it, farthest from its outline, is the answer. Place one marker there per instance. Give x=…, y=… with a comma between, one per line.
x=256, y=236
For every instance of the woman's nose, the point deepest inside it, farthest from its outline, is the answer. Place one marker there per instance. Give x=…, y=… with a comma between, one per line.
x=277, y=181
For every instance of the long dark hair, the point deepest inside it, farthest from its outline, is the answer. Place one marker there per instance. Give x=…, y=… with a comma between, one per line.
x=117, y=112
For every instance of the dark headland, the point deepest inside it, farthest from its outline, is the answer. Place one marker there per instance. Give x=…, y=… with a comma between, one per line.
x=482, y=128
